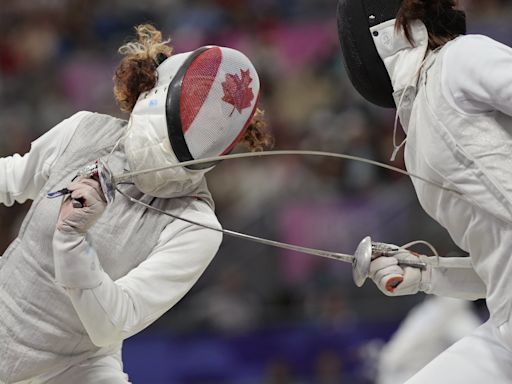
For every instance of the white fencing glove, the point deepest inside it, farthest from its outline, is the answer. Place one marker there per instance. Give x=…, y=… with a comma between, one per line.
x=395, y=280
x=76, y=263
x=82, y=208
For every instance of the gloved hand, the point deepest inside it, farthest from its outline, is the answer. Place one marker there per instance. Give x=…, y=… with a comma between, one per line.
x=82, y=208
x=395, y=280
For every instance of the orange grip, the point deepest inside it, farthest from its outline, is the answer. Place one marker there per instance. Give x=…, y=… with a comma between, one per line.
x=392, y=283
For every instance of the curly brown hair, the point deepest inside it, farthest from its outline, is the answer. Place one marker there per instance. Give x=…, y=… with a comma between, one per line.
x=136, y=73
x=257, y=137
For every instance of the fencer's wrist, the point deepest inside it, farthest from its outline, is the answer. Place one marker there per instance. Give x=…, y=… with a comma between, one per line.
x=75, y=261
x=69, y=230
x=68, y=236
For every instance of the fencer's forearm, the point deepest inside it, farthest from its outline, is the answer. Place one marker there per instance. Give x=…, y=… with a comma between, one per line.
x=95, y=298
x=112, y=311
x=462, y=283
x=107, y=312
x=76, y=263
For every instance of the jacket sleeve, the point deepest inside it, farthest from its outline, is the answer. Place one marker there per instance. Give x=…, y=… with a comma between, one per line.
x=22, y=177
x=476, y=75
x=428, y=329
x=112, y=311
x=461, y=283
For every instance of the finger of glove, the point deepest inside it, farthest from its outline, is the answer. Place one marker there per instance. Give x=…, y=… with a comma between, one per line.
x=381, y=263
x=96, y=185
x=79, y=220
x=66, y=208
x=69, y=218
x=87, y=183
x=386, y=274
x=383, y=274
x=411, y=282
x=91, y=196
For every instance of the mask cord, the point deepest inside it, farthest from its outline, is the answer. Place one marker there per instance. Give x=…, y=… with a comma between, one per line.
x=117, y=144
x=396, y=148
x=412, y=243
x=414, y=79
x=128, y=176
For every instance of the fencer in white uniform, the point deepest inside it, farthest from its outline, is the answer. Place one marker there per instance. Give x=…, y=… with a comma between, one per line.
x=82, y=277
x=455, y=105
x=110, y=311
x=428, y=329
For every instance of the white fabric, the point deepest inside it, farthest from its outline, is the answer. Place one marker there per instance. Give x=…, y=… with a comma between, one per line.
x=21, y=177
x=471, y=153
x=114, y=310
x=461, y=283
x=403, y=62
x=105, y=367
x=401, y=58
x=394, y=50
x=476, y=75
x=395, y=280
x=130, y=304
x=475, y=359
x=429, y=329
x=146, y=147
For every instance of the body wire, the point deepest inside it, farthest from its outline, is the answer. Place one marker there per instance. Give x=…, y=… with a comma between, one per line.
x=128, y=175
x=343, y=257
x=310, y=251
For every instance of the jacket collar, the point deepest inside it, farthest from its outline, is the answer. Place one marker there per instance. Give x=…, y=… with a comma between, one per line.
x=402, y=59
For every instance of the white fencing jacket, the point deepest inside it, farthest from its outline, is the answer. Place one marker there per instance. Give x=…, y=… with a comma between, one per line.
x=429, y=329
x=58, y=309
x=458, y=120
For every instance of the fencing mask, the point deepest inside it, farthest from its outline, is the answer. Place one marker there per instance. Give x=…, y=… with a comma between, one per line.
x=363, y=63
x=200, y=107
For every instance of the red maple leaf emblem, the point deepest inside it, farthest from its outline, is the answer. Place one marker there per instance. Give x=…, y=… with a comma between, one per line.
x=237, y=91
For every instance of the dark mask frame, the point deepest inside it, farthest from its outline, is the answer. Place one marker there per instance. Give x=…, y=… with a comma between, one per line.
x=364, y=66
x=173, y=114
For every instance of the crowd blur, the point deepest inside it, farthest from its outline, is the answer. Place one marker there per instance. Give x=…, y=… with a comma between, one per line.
x=57, y=57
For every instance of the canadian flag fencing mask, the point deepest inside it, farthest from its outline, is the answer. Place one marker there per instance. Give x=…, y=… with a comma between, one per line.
x=200, y=107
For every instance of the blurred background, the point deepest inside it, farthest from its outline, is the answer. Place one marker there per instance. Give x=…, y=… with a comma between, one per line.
x=258, y=315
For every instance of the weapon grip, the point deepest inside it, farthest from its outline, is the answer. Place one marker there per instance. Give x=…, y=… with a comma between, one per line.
x=414, y=264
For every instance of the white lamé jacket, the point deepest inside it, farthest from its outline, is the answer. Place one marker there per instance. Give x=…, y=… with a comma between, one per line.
x=60, y=308
x=456, y=108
